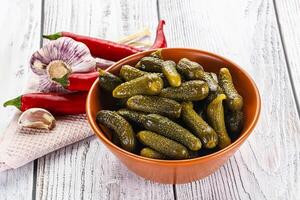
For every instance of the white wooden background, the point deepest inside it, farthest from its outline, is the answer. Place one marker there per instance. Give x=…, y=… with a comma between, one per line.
x=263, y=36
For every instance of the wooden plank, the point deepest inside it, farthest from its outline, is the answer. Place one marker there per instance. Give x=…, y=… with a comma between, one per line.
x=288, y=17
x=17, y=183
x=267, y=165
x=20, y=36
x=87, y=170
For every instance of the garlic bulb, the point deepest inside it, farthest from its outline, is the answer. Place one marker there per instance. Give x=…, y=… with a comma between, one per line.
x=37, y=118
x=57, y=59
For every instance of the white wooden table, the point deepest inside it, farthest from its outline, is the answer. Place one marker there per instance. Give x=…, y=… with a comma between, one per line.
x=263, y=36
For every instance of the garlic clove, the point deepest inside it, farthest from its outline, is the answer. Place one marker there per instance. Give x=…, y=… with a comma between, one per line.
x=37, y=118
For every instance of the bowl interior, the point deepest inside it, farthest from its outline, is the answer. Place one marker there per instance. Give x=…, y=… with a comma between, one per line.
x=98, y=99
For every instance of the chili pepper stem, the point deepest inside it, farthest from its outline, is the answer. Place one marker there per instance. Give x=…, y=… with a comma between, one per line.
x=62, y=81
x=59, y=72
x=14, y=102
x=53, y=36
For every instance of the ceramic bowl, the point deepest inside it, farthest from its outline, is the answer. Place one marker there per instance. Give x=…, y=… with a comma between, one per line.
x=179, y=171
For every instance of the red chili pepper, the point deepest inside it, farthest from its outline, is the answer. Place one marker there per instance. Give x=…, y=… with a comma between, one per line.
x=56, y=103
x=81, y=81
x=111, y=50
x=101, y=48
x=160, y=39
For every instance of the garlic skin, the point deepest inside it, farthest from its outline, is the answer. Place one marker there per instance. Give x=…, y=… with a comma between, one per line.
x=75, y=56
x=37, y=118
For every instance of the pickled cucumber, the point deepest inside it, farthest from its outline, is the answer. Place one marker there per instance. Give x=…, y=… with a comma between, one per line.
x=150, y=64
x=129, y=73
x=154, y=104
x=115, y=139
x=149, y=84
x=234, y=101
x=212, y=95
x=170, y=72
x=189, y=69
x=150, y=153
x=165, y=80
x=120, y=126
x=214, y=76
x=234, y=121
x=187, y=91
x=163, y=145
x=212, y=83
x=194, y=71
x=171, y=130
x=157, y=54
x=215, y=114
x=108, y=81
x=132, y=116
x=199, y=127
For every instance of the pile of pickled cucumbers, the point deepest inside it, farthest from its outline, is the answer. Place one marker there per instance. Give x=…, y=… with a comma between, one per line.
x=167, y=110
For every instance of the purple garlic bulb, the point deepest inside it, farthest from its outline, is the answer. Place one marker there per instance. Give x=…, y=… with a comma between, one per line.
x=56, y=60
